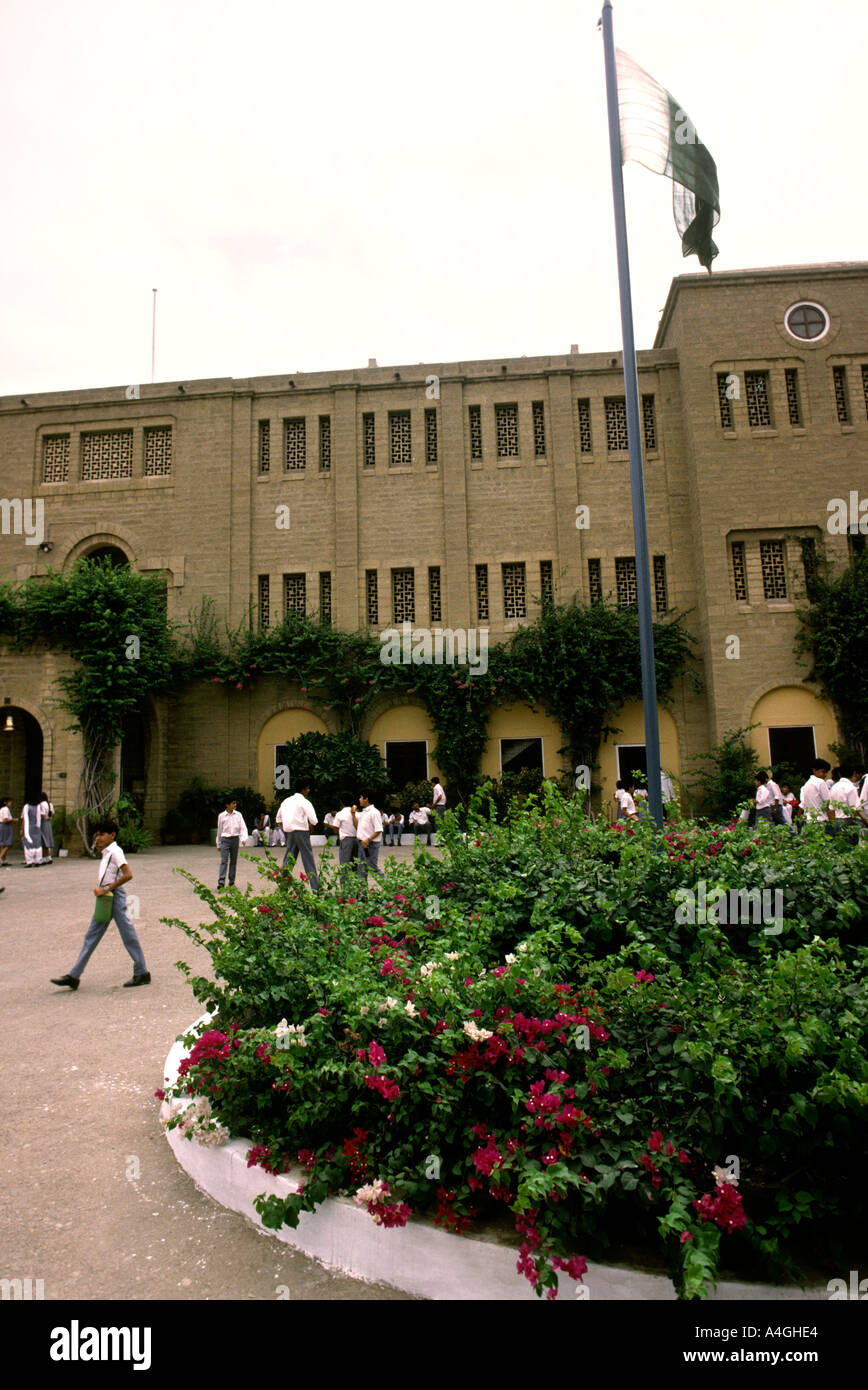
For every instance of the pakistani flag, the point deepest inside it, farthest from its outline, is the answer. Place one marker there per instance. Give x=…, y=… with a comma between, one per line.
x=656, y=132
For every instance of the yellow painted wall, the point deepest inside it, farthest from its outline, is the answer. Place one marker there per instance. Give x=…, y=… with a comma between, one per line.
x=520, y=721
x=793, y=704
x=281, y=728
x=405, y=724
x=630, y=722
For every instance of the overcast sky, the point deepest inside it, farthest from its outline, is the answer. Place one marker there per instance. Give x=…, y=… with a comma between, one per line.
x=311, y=185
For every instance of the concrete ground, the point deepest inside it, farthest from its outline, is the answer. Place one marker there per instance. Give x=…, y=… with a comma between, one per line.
x=96, y=1205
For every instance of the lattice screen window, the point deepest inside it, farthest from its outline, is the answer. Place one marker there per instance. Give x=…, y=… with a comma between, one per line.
x=372, y=603
x=325, y=595
x=616, y=424
x=482, y=607
x=514, y=591
x=661, y=588
x=723, y=400
x=585, y=442
x=431, y=451
x=294, y=445
x=264, y=600
x=739, y=571
x=370, y=452
x=435, y=602
x=794, y=403
x=842, y=398
x=400, y=448
x=546, y=582
x=773, y=568
x=325, y=443
x=403, y=596
x=106, y=454
x=865, y=386
x=625, y=581
x=158, y=451
x=649, y=424
x=294, y=595
x=264, y=446
x=55, y=458
x=539, y=430
x=756, y=389
x=474, y=415
x=595, y=581
x=506, y=431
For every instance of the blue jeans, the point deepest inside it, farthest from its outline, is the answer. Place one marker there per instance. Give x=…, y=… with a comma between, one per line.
x=96, y=931
x=228, y=857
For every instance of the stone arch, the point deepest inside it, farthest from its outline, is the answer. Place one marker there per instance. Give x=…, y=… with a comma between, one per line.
x=783, y=705
x=630, y=723
x=86, y=539
x=285, y=723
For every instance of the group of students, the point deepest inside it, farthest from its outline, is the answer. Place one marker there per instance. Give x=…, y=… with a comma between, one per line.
x=836, y=797
x=359, y=828
x=37, y=840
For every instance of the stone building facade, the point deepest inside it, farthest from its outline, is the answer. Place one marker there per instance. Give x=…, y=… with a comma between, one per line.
x=454, y=496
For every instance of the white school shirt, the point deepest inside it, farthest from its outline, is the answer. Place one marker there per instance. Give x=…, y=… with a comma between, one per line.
x=110, y=865
x=419, y=818
x=370, y=823
x=788, y=810
x=844, y=791
x=439, y=796
x=813, y=796
x=765, y=798
x=5, y=813
x=296, y=813
x=397, y=820
x=863, y=795
x=230, y=823
x=628, y=805
x=345, y=823
x=619, y=798
x=775, y=790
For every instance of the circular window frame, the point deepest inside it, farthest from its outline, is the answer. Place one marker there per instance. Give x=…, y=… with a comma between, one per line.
x=807, y=304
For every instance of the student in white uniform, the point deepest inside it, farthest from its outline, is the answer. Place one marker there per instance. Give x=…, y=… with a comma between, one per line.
x=844, y=806
x=112, y=876
x=348, y=845
x=369, y=829
x=778, y=805
x=5, y=829
x=297, y=818
x=231, y=831
x=764, y=799
x=814, y=795
x=628, y=805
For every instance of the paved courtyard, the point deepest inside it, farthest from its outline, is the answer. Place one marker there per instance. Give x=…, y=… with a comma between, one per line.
x=97, y=1206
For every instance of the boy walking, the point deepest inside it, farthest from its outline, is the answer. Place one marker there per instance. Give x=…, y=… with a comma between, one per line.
x=297, y=818
x=114, y=872
x=230, y=832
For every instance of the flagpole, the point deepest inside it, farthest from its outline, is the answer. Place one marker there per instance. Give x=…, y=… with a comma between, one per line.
x=634, y=436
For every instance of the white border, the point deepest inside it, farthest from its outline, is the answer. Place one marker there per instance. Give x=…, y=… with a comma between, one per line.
x=419, y=1258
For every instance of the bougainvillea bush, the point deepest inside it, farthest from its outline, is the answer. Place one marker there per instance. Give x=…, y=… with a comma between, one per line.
x=533, y=1030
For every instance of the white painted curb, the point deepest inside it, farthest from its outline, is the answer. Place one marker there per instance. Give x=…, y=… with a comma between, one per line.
x=418, y=1258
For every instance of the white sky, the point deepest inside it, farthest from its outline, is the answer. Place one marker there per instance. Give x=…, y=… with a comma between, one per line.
x=311, y=185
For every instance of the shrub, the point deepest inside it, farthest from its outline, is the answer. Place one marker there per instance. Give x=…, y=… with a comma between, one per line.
x=536, y=1027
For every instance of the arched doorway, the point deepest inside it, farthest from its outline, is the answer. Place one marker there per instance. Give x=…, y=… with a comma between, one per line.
x=20, y=756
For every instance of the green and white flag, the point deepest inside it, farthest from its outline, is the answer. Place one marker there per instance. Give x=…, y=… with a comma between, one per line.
x=657, y=133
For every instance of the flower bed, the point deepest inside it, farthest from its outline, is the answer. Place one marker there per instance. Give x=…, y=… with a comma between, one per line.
x=531, y=1027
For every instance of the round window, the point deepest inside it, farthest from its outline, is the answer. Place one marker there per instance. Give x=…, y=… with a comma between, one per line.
x=807, y=321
